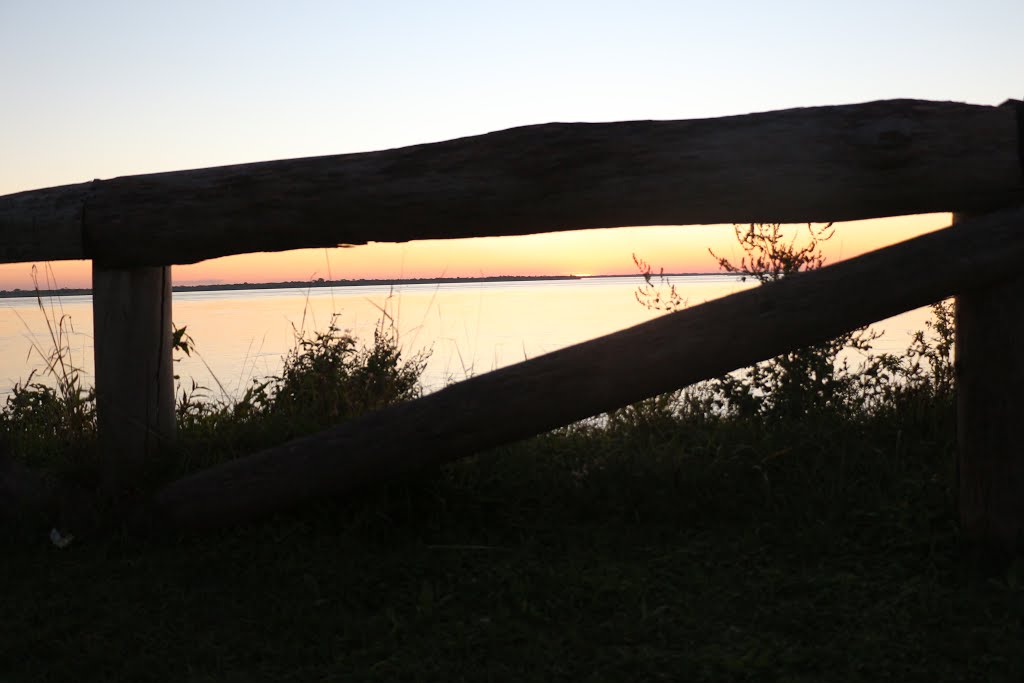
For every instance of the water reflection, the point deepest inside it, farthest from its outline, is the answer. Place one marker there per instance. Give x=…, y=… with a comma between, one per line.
x=472, y=328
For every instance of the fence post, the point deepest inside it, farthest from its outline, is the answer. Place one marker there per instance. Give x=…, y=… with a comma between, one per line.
x=132, y=339
x=990, y=415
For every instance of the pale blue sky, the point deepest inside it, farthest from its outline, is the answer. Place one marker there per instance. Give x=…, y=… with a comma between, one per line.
x=106, y=88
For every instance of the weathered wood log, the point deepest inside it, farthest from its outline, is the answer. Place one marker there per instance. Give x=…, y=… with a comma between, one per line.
x=43, y=225
x=132, y=341
x=613, y=371
x=815, y=164
x=990, y=409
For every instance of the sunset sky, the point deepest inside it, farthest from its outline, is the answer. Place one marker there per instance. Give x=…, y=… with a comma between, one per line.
x=102, y=89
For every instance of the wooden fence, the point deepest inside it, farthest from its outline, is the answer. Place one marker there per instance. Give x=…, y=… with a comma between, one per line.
x=815, y=164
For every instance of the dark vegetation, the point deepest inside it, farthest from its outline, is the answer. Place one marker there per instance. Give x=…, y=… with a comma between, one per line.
x=793, y=521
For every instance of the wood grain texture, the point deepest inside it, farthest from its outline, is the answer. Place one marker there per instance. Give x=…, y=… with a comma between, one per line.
x=815, y=164
x=990, y=413
x=606, y=373
x=43, y=225
x=132, y=339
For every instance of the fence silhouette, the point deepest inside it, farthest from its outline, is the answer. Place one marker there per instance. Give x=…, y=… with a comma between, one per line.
x=834, y=163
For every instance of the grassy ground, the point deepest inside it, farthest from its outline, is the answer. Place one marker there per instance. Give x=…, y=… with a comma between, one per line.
x=725, y=551
x=800, y=526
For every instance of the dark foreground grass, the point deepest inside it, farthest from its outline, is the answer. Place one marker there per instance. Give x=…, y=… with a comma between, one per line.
x=796, y=523
x=713, y=552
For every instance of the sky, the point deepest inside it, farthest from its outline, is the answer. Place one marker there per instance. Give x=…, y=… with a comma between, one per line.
x=108, y=88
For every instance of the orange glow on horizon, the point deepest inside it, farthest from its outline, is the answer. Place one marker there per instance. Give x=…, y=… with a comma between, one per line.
x=596, y=252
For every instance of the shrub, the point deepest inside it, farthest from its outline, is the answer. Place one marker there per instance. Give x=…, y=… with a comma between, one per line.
x=816, y=380
x=330, y=378
x=51, y=413
x=327, y=377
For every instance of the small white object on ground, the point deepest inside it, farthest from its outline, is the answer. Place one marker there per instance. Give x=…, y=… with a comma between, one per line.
x=59, y=539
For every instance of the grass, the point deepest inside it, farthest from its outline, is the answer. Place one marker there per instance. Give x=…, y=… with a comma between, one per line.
x=586, y=554
x=683, y=538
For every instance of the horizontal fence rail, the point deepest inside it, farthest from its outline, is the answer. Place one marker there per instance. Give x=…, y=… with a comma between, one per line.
x=616, y=370
x=845, y=162
x=835, y=163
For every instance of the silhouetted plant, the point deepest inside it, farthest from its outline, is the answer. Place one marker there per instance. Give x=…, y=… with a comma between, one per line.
x=656, y=297
x=327, y=377
x=330, y=376
x=816, y=379
x=929, y=364
x=924, y=384
x=50, y=411
x=768, y=256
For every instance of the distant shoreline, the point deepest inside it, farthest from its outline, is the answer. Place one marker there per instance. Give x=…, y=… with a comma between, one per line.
x=307, y=284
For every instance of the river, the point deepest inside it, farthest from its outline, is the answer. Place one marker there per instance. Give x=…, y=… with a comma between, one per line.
x=469, y=327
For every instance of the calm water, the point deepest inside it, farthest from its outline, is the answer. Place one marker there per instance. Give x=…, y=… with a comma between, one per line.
x=471, y=327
